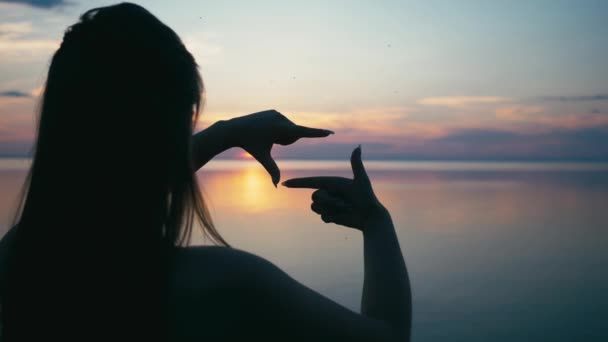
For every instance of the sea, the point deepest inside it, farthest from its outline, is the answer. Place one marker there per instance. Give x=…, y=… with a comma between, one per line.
x=496, y=251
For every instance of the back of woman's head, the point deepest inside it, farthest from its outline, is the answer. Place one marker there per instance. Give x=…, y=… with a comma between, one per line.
x=117, y=114
x=111, y=188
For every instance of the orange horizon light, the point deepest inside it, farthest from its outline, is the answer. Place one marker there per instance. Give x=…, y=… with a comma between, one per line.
x=245, y=155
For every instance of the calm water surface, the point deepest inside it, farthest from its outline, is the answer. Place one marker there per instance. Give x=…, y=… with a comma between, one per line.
x=495, y=251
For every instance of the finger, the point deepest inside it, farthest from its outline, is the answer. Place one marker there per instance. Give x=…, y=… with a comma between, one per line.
x=324, y=198
x=323, y=209
x=357, y=165
x=342, y=218
x=308, y=132
x=332, y=184
x=263, y=157
x=317, y=208
x=320, y=195
x=326, y=218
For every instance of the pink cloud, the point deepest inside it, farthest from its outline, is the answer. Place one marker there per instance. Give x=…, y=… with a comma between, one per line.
x=461, y=101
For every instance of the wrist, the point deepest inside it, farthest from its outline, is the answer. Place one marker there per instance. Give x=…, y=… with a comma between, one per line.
x=210, y=142
x=376, y=216
x=226, y=132
x=232, y=132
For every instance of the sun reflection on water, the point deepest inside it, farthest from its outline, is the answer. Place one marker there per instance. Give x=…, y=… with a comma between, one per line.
x=249, y=189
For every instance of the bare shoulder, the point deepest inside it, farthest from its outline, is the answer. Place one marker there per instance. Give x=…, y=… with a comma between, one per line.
x=212, y=290
x=237, y=295
x=222, y=264
x=213, y=253
x=6, y=243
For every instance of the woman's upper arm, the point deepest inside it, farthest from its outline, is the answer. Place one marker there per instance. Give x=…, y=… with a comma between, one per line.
x=302, y=313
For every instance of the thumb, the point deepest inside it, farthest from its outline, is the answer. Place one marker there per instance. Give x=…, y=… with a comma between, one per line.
x=263, y=156
x=357, y=165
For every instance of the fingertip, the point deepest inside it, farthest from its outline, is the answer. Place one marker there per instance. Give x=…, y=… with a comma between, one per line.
x=357, y=163
x=356, y=153
x=288, y=183
x=308, y=132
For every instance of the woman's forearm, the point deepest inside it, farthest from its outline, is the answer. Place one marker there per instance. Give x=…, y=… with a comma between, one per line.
x=212, y=141
x=386, y=286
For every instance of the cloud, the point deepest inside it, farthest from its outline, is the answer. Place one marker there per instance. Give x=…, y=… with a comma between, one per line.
x=539, y=118
x=39, y=3
x=558, y=144
x=17, y=45
x=517, y=113
x=479, y=136
x=15, y=29
x=14, y=93
x=26, y=46
x=466, y=144
x=333, y=151
x=581, y=98
x=377, y=122
x=495, y=131
x=460, y=101
x=204, y=47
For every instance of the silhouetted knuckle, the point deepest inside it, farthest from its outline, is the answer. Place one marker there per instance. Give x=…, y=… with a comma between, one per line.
x=325, y=218
x=316, y=195
x=286, y=141
x=316, y=207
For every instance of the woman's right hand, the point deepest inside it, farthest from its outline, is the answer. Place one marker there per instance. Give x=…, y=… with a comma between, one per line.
x=344, y=201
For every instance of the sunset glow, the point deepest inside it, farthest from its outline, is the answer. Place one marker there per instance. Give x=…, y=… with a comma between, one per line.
x=420, y=80
x=413, y=170
x=245, y=155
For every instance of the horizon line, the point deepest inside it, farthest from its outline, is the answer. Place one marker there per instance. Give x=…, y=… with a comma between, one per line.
x=401, y=159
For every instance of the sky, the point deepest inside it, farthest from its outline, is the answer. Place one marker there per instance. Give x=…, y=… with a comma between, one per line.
x=464, y=80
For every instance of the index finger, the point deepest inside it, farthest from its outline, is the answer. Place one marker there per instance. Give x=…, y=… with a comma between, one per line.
x=309, y=132
x=332, y=184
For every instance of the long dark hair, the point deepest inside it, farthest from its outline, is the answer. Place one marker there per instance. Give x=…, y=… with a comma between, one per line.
x=111, y=190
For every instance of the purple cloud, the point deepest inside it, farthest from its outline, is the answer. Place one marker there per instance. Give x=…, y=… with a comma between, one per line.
x=14, y=93
x=39, y=3
x=581, y=98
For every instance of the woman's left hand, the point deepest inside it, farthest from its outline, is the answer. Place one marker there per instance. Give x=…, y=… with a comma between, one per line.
x=257, y=132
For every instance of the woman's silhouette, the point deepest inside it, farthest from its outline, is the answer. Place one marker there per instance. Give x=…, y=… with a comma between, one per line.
x=99, y=251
